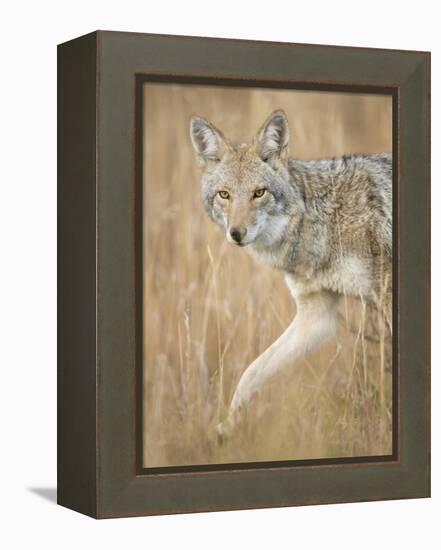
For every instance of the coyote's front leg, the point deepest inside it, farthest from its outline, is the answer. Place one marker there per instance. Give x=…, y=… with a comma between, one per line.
x=313, y=324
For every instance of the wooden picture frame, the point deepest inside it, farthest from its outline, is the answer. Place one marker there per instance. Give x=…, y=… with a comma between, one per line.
x=99, y=407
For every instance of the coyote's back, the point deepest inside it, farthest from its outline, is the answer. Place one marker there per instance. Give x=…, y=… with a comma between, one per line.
x=346, y=231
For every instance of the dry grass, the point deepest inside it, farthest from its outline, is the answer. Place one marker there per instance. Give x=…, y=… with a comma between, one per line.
x=210, y=309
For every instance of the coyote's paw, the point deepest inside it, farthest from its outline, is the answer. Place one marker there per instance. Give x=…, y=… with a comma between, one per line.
x=224, y=430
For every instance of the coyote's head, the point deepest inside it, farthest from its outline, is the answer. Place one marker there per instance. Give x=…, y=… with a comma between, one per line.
x=246, y=188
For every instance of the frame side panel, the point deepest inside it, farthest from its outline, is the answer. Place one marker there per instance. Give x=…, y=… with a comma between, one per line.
x=414, y=274
x=77, y=275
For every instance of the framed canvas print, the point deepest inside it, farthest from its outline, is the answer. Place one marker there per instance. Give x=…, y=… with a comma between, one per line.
x=244, y=274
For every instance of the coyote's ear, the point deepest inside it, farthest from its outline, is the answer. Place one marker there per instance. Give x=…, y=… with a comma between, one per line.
x=208, y=142
x=273, y=138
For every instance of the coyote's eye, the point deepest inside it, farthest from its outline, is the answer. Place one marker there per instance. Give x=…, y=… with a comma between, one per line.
x=258, y=193
x=224, y=194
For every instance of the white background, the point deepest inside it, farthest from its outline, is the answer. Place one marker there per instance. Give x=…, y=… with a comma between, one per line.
x=29, y=34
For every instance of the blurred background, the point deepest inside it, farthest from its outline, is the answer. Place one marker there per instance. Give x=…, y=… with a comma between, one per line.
x=210, y=309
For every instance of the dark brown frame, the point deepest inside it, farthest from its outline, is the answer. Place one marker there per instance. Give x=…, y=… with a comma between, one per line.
x=99, y=469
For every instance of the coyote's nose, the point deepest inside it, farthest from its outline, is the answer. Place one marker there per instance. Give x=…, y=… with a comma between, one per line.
x=238, y=232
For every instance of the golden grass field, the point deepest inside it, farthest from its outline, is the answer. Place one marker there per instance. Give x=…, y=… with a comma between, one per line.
x=210, y=309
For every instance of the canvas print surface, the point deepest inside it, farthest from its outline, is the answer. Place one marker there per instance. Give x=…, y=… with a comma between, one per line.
x=267, y=275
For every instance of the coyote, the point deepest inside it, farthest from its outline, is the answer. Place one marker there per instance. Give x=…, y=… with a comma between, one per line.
x=327, y=224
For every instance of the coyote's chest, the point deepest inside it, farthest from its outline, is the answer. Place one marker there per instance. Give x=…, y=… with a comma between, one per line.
x=349, y=276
